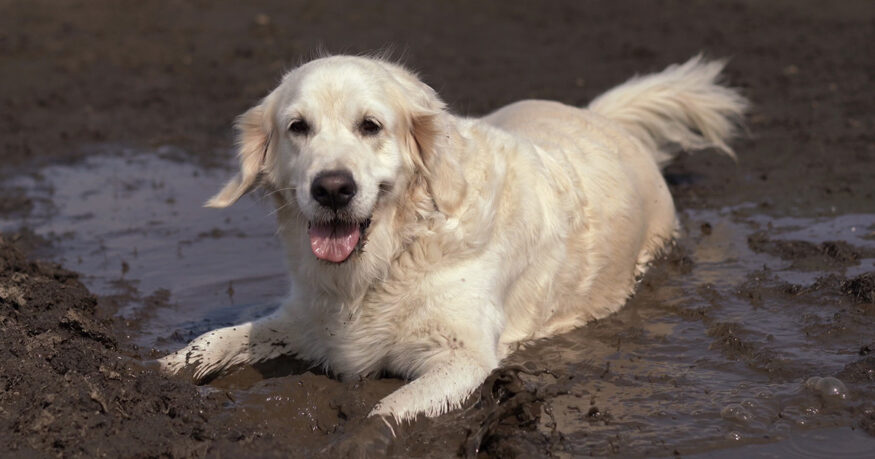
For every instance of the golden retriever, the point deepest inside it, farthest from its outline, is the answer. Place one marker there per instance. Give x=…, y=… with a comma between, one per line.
x=427, y=245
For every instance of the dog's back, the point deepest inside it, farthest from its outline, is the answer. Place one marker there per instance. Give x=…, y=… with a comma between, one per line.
x=628, y=216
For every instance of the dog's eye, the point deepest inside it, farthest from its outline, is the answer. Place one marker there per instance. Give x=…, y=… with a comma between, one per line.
x=370, y=127
x=299, y=127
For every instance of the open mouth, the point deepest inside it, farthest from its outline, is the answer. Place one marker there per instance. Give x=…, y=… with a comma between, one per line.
x=336, y=240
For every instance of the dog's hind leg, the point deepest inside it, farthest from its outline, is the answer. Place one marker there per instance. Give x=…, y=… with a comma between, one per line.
x=251, y=342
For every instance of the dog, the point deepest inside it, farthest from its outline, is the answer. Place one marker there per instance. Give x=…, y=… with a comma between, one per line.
x=429, y=246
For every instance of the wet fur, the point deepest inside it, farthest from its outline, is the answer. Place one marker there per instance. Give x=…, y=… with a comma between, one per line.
x=487, y=232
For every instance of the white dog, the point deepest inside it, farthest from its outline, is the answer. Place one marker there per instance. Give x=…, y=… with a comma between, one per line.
x=427, y=245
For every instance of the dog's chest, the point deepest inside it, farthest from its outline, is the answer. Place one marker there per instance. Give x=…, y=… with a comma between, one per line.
x=377, y=334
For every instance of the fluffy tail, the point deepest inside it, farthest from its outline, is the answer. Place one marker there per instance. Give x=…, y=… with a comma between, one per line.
x=684, y=105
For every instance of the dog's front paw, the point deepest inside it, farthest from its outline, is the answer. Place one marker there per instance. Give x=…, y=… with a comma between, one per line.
x=184, y=363
x=442, y=388
x=380, y=410
x=397, y=408
x=209, y=354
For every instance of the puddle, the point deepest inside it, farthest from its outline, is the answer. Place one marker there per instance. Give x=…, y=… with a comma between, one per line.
x=134, y=226
x=711, y=355
x=833, y=443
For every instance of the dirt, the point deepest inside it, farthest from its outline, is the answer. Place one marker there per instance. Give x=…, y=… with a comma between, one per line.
x=807, y=255
x=67, y=387
x=115, y=126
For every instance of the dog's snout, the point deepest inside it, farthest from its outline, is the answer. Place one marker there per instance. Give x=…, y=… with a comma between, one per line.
x=333, y=189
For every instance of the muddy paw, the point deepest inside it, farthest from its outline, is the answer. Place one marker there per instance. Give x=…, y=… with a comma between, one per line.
x=180, y=364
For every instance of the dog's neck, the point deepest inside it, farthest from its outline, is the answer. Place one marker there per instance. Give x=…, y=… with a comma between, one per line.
x=344, y=284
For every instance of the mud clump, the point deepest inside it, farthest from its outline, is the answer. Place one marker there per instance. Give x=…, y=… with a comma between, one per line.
x=726, y=337
x=806, y=255
x=65, y=387
x=867, y=422
x=514, y=414
x=861, y=371
x=861, y=288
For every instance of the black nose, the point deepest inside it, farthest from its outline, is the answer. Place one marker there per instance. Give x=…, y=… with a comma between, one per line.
x=333, y=189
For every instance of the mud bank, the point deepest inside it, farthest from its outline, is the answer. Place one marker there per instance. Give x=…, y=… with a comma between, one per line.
x=67, y=387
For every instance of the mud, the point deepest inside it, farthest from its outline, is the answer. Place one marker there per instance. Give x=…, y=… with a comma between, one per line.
x=67, y=387
x=754, y=336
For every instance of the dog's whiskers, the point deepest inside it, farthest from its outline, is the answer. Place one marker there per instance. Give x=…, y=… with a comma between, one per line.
x=274, y=212
x=271, y=193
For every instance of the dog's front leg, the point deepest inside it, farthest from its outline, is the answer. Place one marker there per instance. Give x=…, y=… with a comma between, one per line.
x=250, y=342
x=441, y=388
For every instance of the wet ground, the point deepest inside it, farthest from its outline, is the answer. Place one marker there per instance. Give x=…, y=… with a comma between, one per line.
x=753, y=337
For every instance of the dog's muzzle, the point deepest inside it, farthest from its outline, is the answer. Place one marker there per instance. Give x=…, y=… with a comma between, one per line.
x=336, y=239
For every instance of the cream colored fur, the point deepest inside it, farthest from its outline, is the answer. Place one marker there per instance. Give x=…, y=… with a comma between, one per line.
x=484, y=232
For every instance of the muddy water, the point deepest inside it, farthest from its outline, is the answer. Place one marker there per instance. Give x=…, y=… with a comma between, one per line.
x=744, y=337
x=134, y=225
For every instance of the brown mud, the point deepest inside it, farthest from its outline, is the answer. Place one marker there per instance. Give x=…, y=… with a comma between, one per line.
x=754, y=336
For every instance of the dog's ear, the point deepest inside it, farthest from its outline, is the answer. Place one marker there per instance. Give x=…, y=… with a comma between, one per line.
x=436, y=158
x=431, y=140
x=254, y=131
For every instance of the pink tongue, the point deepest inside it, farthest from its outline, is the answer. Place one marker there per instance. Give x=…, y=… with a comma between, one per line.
x=333, y=242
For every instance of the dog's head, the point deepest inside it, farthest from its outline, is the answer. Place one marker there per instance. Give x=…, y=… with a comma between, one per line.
x=339, y=138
